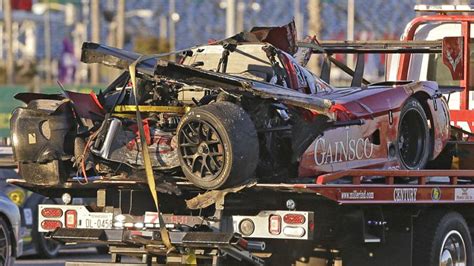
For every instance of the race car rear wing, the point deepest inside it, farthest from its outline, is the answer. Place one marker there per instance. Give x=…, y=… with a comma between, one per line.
x=360, y=48
x=374, y=47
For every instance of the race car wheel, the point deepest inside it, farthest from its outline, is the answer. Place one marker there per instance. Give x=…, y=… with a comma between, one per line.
x=413, y=136
x=217, y=145
x=6, y=247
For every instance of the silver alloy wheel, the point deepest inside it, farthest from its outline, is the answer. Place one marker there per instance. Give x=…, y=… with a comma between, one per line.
x=453, y=250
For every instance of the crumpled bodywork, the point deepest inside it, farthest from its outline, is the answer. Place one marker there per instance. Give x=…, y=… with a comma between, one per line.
x=154, y=67
x=43, y=132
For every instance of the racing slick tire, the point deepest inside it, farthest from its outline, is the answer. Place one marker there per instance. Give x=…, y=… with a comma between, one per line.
x=442, y=238
x=6, y=245
x=217, y=145
x=413, y=139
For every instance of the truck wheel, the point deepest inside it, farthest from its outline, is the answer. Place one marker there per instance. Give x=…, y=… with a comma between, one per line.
x=46, y=248
x=442, y=239
x=6, y=246
x=217, y=145
x=413, y=138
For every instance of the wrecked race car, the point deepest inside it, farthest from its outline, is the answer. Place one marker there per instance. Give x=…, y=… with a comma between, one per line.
x=227, y=112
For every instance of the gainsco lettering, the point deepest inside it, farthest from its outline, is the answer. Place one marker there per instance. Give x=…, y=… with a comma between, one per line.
x=345, y=150
x=404, y=194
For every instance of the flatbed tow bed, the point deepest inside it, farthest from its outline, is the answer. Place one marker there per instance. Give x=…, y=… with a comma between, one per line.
x=382, y=199
x=380, y=183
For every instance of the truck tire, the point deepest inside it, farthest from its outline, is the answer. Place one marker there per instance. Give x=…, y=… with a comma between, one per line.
x=442, y=239
x=413, y=139
x=6, y=245
x=217, y=145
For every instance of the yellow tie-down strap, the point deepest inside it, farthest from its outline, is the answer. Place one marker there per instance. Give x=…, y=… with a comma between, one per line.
x=150, y=109
x=146, y=159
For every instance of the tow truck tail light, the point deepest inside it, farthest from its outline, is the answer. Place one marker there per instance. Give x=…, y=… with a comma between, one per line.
x=292, y=218
x=274, y=224
x=71, y=219
x=50, y=225
x=51, y=212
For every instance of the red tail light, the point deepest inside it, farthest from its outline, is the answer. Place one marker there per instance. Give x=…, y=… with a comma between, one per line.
x=294, y=218
x=274, y=224
x=50, y=225
x=51, y=212
x=71, y=219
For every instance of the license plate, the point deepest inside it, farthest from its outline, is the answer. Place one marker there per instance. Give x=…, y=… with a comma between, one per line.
x=97, y=221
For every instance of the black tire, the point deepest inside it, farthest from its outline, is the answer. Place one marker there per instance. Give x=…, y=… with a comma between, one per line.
x=435, y=232
x=413, y=139
x=45, y=248
x=6, y=245
x=221, y=140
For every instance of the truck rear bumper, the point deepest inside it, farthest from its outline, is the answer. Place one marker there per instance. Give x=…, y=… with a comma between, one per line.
x=150, y=241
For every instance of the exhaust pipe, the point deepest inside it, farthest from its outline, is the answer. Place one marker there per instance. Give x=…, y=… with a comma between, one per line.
x=104, y=152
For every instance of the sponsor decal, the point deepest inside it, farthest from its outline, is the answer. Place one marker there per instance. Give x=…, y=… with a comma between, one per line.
x=452, y=56
x=436, y=194
x=358, y=195
x=151, y=217
x=405, y=194
x=345, y=150
x=464, y=194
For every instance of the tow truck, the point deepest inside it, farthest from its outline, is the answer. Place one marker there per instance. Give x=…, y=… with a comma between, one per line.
x=358, y=216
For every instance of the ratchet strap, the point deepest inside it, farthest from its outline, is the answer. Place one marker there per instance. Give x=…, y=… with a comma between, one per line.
x=146, y=157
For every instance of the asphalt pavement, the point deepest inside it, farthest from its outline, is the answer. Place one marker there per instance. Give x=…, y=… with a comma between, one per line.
x=87, y=254
x=83, y=254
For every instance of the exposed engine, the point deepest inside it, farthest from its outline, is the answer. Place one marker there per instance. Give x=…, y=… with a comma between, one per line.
x=118, y=143
x=121, y=144
x=118, y=139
